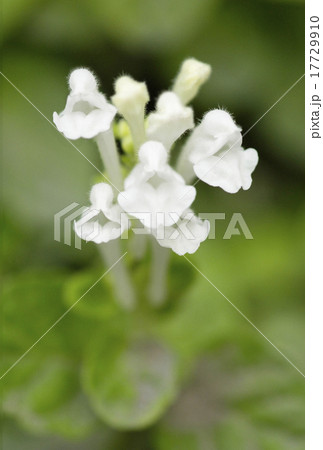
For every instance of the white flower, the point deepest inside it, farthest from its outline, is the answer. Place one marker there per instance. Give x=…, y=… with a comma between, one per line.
x=131, y=96
x=155, y=190
x=231, y=169
x=130, y=99
x=152, y=163
x=216, y=131
x=87, y=112
x=185, y=236
x=192, y=75
x=215, y=151
x=155, y=206
x=103, y=221
x=170, y=120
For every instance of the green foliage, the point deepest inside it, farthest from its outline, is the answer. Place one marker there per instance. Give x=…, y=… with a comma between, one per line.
x=134, y=366
x=42, y=390
x=99, y=302
x=130, y=381
x=130, y=374
x=236, y=406
x=46, y=398
x=194, y=374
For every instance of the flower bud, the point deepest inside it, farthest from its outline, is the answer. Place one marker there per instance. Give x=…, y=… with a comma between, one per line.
x=130, y=99
x=131, y=96
x=192, y=75
x=81, y=81
x=170, y=120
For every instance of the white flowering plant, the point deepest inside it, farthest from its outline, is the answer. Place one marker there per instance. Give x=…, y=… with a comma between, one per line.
x=127, y=348
x=140, y=213
x=124, y=332
x=140, y=185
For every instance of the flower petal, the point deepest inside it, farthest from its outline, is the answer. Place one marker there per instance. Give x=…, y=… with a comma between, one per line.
x=175, y=199
x=161, y=205
x=82, y=80
x=101, y=196
x=153, y=162
x=137, y=176
x=216, y=132
x=248, y=161
x=170, y=120
x=93, y=231
x=192, y=75
x=138, y=199
x=218, y=122
x=87, y=112
x=69, y=124
x=153, y=156
x=96, y=122
x=230, y=170
x=186, y=236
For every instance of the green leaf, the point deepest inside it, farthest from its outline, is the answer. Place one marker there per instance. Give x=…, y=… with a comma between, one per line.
x=14, y=437
x=31, y=304
x=42, y=353
x=130, y=382
x=46, y=398
x=99, y=302
x=201, y=319
x=230, y=404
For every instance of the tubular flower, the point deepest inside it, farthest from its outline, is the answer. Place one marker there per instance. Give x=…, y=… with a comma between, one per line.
x=185, y=236
x=192, y=75
x=103, y=221
x=87, y=112
x=130, y=98
x=152, y=163
x=214, y=149
x=155, y=193
x=170, y=120
x=139, y=167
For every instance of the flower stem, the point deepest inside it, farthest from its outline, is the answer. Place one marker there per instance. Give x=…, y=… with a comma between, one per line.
x=111, y=251
x=124, y=290
x=157, y=288
x=110, y=157
x=137, y=128
x=138, y=246
x=184, y=167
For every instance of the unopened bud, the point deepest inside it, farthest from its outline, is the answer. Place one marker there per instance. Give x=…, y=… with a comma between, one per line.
x=81, y=81
x=130, y=99
x=192, y=75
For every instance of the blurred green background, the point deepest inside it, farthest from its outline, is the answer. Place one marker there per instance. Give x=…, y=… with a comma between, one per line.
x=213, y=382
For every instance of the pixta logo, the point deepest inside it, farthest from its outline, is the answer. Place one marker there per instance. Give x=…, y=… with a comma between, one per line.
x=64, y=221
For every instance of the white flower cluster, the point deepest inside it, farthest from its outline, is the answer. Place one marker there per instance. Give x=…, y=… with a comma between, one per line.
x=87, y=112
x=153, y=192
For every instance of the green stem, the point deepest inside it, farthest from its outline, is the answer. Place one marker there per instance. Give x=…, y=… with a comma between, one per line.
x=138, y=245
x=157, y=288
x=111, y=251
x=124, y=290
x=137, y=129
x=184, y=167
x=110, y=157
